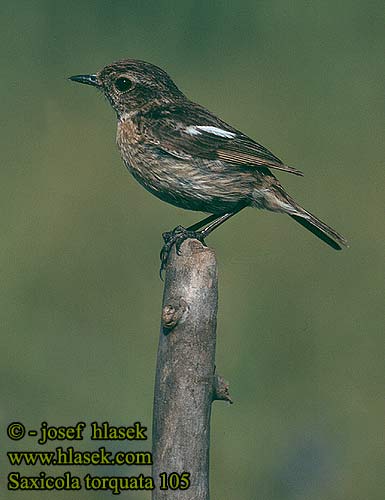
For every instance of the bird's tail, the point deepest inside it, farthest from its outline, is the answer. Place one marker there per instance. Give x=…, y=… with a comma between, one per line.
x=277, y=199
x=318, y=228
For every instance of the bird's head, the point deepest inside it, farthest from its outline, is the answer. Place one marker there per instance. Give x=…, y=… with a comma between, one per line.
x=130, y=84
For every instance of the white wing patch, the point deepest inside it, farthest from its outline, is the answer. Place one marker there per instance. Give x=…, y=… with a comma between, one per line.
x=198, y=129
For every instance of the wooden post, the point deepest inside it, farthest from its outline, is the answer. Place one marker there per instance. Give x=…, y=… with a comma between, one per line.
x=185, y=383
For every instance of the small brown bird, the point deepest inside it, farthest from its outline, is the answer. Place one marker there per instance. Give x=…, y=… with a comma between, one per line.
x=185, y=155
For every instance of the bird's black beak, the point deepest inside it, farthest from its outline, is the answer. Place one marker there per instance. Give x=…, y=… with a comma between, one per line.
x=86, y=79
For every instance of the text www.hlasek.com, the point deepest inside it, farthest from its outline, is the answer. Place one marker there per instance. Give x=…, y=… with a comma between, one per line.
x=69, y=456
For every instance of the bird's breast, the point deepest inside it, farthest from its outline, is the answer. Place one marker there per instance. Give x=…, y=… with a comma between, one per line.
x=127, y=133
x=194, y=184
x=137, y=156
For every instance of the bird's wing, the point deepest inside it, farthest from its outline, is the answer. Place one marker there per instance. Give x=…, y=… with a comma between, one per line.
x=192, y=131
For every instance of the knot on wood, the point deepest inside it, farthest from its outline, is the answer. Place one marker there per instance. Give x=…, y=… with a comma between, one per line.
x=221, y=389
x=173, y=313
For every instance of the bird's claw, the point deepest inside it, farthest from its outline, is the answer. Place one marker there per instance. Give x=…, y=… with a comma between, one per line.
x=176, y=237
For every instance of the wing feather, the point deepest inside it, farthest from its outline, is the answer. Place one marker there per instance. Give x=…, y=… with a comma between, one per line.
x=192, y=131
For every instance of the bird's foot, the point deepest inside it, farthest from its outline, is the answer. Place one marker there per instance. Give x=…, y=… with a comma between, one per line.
x=176, y=237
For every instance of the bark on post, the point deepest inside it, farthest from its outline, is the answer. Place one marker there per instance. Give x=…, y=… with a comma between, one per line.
x=185, y=383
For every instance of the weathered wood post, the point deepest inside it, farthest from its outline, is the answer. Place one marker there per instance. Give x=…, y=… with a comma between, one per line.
x=186, y=383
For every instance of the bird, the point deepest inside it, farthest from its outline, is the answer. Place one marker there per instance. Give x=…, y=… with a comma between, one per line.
x=185, y=155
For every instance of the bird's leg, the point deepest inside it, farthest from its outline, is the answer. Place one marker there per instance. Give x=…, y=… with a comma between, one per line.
x=213, y=224
x=179, y=234
x=203, y=222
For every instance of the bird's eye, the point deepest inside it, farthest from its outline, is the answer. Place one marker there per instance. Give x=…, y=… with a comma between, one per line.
x=123, y=84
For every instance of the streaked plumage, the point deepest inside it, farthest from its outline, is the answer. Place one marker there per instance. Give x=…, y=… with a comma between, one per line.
x=186, y=156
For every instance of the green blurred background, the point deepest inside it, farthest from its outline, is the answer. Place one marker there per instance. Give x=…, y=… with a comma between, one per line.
x=300, y=327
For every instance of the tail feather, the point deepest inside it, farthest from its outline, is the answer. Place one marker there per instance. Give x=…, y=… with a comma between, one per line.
x=277, y=199
x=319, y=228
